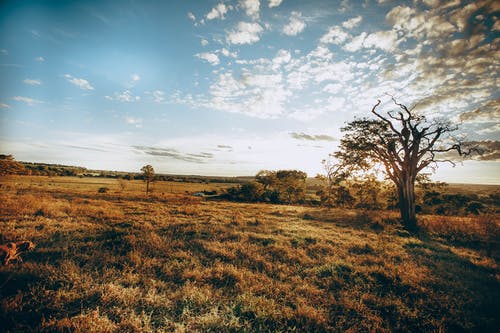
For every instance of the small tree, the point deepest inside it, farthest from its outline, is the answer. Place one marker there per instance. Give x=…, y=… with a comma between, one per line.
x=148, y=174
x=404, y=143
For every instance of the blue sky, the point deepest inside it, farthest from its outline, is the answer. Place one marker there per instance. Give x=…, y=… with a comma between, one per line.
x=233, y=87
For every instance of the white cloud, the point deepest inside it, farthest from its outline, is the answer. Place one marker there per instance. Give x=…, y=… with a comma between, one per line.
x=40, y=59
x=225, y=52
x=251, y=7
x=137, y=122
x=135, y=77
x=158, y=96
x=335, y=35
x=352, y=23
x=274, y=3
x=212, y=58
x=125, y=96
x=245, y=33
x=356, y=43
x=204, y=42
x=32, y=82
x=217, y=12
x=81, y=83
x=191, y=16
x=384, y=40
x=27, y=100
x=4, y=106
x=281, y=58
x=332, y=88
x=295, y=26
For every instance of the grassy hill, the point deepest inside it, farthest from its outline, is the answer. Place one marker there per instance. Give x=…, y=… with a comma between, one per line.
x=123, y=262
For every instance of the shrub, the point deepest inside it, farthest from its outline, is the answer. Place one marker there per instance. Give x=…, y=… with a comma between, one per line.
x=103, y=190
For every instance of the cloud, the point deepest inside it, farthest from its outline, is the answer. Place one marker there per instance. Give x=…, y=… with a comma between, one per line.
x=198, y=158
x=308, y=137
x=125, y=96
x=32, y=82
x=135, y=77
x=490, y=150
x=251, y=7
x=204, y=42
x=27, y=100
x=4, y=52
x=191, y=16
x=352, y=23
x=245, y=33
x=489, y=112
x=137, y=122
x=335, y=35
x=81, y=83
x=225, y=52
x=295, y=26
x=212, y=58
x=4, y=106
x=158, y=96
x=40, y=59
x=274, y=3
x=217, y=12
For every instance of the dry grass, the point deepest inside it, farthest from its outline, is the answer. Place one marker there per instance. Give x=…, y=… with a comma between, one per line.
x=124, y=262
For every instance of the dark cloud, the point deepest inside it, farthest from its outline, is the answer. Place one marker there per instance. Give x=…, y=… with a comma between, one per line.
x=199, y=158
x=486, y=150
x=489, y=112
x=490, y=150
x=319, y=137
x=87, y=148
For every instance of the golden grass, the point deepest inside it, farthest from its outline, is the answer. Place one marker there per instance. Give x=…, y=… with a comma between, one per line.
x=124, y=262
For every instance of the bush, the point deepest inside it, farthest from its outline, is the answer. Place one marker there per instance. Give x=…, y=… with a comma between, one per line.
x=103, y=190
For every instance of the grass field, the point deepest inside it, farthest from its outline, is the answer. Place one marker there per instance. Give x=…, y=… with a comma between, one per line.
x=171, y=262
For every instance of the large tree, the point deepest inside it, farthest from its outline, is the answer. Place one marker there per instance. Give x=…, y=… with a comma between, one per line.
x=148, y=174
x=403, y=143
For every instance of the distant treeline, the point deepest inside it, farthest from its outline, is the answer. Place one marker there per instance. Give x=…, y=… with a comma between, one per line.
x=9, y=166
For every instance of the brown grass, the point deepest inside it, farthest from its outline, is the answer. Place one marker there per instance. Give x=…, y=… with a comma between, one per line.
x=123, y=262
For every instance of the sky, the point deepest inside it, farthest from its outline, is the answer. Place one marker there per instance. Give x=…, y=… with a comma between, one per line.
x=231, y=87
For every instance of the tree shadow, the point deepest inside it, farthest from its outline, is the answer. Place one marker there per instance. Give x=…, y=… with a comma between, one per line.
x=465, y=295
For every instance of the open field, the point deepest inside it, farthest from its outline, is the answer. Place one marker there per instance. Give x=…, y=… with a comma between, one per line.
x=123, y=262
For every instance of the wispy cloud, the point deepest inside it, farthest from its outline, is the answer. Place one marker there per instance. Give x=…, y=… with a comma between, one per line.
x=27, y=100
x=4, y=52
x=158, y=96
x=4, y=106
x=137, y=122
x=80, y=83
x=308, y=137
x=124, y=96
x=135, y=77
x=295, y=26
x=198, y=158
x=32, y=82
x=40, y=59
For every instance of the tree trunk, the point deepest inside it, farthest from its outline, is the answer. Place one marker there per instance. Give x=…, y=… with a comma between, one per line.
x=147, y=187
x=406, y=191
